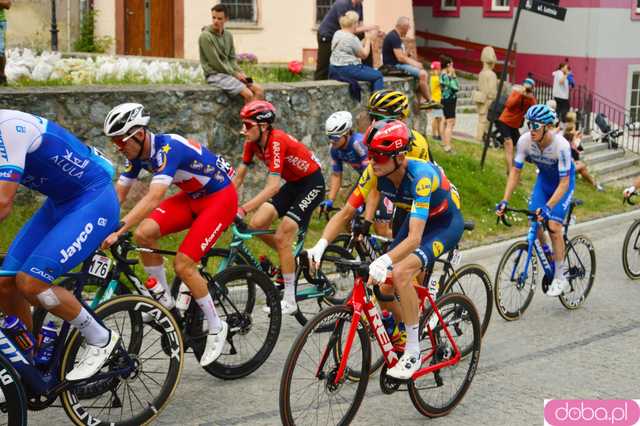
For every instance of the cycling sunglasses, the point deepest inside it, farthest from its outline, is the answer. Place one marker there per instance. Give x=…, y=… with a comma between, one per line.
x=335, y=138
x=378, y=158
x=121, y=141
x=249, y=124
x=534, y=125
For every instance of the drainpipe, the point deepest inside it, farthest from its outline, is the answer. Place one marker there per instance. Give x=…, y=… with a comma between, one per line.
x=54, y=27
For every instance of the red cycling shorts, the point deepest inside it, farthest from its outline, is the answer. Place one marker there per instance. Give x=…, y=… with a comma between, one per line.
x=207, y=218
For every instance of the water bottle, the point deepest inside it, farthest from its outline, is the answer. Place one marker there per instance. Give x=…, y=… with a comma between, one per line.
x=389, y=322
x=46, y=344
x=184, y=298
x=157, y=291
x=15, y=329
x=547, y=252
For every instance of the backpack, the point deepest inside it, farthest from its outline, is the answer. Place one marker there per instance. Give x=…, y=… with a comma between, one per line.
x=496, y=107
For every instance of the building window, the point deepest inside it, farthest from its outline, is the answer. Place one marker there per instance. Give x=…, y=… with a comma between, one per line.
x=637, y=6
x=634, y=106
x=449, y=4
x=241, y=10
x=501, y=5
x=322, y=8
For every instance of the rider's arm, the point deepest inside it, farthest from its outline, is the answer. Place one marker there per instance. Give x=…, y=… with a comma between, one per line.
x=7, y=195
x=238, y=179
x=271, y=189
x=512, y=182
x=122, y=191
x=338, y=222
x=412, y=242
x=561, y=189
x=334, y=188
x=144, y=207
x=373, y=199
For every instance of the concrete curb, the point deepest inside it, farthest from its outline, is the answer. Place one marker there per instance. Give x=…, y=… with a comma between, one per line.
x=477, y=254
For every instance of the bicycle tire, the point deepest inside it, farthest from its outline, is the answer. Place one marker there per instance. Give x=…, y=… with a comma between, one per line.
x=15, y=405
x=454, y=285
x=519, y=248
x=572, y=300
x=312, y=306
x=170, y=342
x=627, y=251
x=462, y=304
x=226, y=367
x=332, y=320
x=214, y=253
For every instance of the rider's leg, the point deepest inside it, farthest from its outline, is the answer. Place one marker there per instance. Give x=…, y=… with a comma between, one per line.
x=262, y=219
x=285, y=236
x=13, y=303
x=188, y=272
x=147, y=234
x=403, y=275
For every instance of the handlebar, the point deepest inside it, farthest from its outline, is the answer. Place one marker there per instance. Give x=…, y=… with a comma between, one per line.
x=361, y=269
x=627, y=200
x=529, y=213
x=326, y=212
x=121, y=247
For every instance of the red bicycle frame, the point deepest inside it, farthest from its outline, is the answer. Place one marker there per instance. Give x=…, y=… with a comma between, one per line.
x=363, y=304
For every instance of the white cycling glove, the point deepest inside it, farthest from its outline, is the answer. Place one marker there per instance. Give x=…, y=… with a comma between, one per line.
x=378, y=268
x=315, y=253
x=630, y=190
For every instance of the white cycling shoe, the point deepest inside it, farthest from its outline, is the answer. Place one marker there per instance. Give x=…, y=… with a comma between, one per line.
x=215, y=344
x=286, y=308
x=93, y=359
x=406, y=367
x=557, y=287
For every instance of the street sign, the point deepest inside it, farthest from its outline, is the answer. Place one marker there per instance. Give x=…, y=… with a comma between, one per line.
x=545, y=9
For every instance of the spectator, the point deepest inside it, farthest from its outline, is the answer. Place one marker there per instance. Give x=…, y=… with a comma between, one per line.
x=449, y=86
x=218, y=59
x=395, y=55
x=329, y=25
x=4, y=4
x=512, y=118
x=437, y=115
x=487, y=90
x=574, y=137
x=347, y=53
x=363, y=121
x=561, y=90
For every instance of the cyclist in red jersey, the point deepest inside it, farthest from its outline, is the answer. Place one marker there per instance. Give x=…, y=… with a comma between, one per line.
x=294, y=202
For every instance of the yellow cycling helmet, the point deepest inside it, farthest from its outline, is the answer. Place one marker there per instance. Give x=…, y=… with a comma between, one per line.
x=388, y=104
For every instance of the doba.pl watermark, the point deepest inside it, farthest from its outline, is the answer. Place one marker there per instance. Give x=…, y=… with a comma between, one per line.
x=579, y=412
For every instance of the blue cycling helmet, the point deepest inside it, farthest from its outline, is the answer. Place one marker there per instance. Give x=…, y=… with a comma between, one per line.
x=541, y=113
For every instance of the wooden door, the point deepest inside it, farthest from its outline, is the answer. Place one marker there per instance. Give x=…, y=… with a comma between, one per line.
x=149, y=27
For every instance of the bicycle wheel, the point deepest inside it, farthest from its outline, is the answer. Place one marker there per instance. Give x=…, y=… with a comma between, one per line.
x=13, y=402
x=581, y=262
x=240, y=294
x=474, y=282
x=308, y=394
x=154, y=349
x=332, y=285
x=513, y=294
x=212, y=264
x=631, y=251
x=437, y=393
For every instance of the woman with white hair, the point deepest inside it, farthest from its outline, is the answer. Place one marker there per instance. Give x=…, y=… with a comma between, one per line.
x=347, y=53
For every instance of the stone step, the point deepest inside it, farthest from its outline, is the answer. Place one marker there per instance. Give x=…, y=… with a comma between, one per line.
x=593, y=147
x=612, y=166
x=621, y=177
x=602, y=156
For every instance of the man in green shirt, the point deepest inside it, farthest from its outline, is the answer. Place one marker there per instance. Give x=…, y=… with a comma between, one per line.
x=218, y=59
x=4, y=4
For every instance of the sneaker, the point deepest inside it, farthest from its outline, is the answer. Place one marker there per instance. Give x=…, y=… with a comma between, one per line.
x=557, y=287
x=599, y=187
x=215, y=344
x=286, y=308
x=406, y=367
x=93, y=359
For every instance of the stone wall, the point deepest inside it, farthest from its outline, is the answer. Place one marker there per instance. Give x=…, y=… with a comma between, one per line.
x=201, y=112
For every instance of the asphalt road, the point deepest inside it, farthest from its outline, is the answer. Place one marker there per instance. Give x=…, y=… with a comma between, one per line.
x=551, y=353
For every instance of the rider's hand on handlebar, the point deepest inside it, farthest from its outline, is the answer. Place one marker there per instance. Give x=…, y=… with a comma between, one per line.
x=544, y=214
x=361, y=227
x=379, y=268
x=315, y=253
x=241, y=213
x=326, y=205
x=628, y=192
x=501, y=206
x=110, y=240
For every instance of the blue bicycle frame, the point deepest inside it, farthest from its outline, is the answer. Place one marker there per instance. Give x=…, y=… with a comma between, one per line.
x=533, y=244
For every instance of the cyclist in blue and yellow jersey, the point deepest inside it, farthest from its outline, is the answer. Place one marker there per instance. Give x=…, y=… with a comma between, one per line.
x=81, y=209
x=554, y=186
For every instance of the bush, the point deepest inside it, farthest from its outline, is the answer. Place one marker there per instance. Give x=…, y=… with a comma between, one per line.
x=88, y=42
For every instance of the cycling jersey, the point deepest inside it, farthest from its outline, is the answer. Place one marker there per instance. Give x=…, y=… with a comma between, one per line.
x=554, y=162
x=47, y=158
x=283, y=155
x=368, y=180
x=174, y=159
x=354, y=154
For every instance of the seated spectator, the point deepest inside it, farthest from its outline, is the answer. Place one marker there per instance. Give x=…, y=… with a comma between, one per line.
x=395, y=55
x=512, y=118
x=574, y=136
x=218, y=59
x=347, y=53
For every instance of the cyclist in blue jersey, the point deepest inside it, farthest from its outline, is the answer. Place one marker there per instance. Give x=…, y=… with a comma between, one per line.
x=433, y=226
x=81, y=209
x=554, y=186
x=205, y=183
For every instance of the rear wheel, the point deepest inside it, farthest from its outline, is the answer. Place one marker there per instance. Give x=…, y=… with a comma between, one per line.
x=309, y=393
x=513, y=291
x=581, y=261
x=474, y=282
x=13, y=408
x=436, y=394
x=631, y=251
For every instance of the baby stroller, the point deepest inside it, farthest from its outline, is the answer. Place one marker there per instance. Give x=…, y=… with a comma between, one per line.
x=607, y=134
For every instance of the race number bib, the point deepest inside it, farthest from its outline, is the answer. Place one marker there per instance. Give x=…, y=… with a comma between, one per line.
x=100, y=266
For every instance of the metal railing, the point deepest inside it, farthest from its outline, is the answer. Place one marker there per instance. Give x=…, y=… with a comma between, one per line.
x=623, y=130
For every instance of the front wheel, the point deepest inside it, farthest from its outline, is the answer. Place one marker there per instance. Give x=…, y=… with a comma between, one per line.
x=13, y=408
x=474, y=282
x=581, y=262
x=513, y=290
x=631, y=251
x=437, y=393
x=308, y=388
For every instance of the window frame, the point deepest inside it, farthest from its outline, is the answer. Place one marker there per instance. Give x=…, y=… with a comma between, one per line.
x=635, y=10
x=490, y=10
x=317, y=21
x=634, y=70
x=448, y=8
x=496, y=8
x=441, y=11
x=253, y=21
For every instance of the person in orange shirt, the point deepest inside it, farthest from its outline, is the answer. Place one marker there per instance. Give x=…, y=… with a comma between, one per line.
x=512, y=117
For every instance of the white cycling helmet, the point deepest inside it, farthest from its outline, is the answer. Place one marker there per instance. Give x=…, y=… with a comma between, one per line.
x=339, y=123
x=123, y=118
